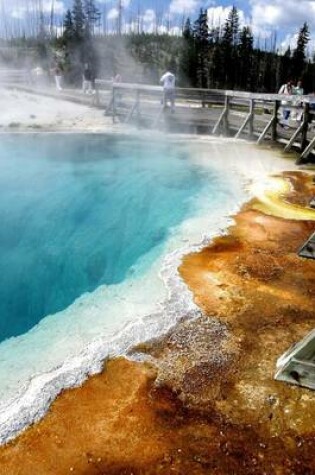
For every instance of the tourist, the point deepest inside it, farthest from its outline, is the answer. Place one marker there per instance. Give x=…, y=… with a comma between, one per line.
x=168, y=80
x=87, y=80
x=117, y=78
x=299, y=91
x=286, y=89
x=58, y=77
x=38, y=75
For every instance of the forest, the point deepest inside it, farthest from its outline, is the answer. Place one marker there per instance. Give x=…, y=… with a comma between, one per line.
x=201, y=55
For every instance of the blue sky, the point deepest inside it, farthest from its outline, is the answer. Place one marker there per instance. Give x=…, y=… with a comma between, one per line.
x=266, y=17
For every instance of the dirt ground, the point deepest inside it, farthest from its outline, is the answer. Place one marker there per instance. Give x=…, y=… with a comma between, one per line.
x=205, y=401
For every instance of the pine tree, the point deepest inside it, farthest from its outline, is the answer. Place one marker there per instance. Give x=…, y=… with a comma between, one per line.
x=299, y=54
x=245, y=53
x=285, y=67
x=187, y=59
x=201, y=35
x=78, y=18
x=246, y=41
x=231, y=28
x=187, y=30
x=68, y=32
x=230, y=40
x=92, y=15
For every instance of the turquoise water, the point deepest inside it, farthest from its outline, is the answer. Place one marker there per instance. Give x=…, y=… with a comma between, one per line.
x=79, y=211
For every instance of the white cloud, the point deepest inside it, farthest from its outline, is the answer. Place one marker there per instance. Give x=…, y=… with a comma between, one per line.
x=285, y=17
x=183, y=6
x=19, y=9
x=113, y=14
x=218, y=15
x=18, y=12
x=266, y=16
x=289, y=41
x=282, y=14
x=174, y=31
x=149, y=16
x=58, y=5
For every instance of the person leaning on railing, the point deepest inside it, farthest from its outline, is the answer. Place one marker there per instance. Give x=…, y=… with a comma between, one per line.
x=286, y=89
x=168, y=80
x=298, y=91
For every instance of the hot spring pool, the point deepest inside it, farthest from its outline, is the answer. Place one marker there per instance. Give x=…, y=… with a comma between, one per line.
x=77, y=213
x=92, y=231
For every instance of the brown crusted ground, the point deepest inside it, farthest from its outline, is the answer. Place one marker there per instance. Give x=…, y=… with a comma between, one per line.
x=212, y=405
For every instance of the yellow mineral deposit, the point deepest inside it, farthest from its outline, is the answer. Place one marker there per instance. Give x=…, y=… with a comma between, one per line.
x=271, y=199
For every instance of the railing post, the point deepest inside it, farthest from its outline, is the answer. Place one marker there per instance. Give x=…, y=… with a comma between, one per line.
x=251, y=120
x=306, y=117
x=226, y=115
x=275, y=121
x=96, y=97
x=138, y=106
x=114, y=105
x=223, y=119
x=97, y=91
x=248, y=121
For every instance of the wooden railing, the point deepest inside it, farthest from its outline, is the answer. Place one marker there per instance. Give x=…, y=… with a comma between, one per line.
x=254, y=116
x=241, y=114
x=13, y=76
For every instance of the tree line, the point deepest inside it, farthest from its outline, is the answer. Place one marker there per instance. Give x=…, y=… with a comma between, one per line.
x=227, y=58
x=204, y=56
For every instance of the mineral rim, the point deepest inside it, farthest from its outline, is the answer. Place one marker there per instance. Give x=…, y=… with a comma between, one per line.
x=204, y=401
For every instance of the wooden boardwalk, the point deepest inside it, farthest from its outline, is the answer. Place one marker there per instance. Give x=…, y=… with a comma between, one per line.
x=210, y=111
x=253, y=116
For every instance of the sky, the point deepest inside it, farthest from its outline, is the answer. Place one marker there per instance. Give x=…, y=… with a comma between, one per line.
x=266, y=17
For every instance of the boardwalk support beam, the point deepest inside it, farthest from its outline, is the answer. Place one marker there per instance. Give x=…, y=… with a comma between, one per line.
x=158, y=117
x=134, y=108
x=114, y=105
x=223, y=119
x=306, y=152
x=306, y=149
x=249, y=120
x=272, y=124
x=302, y=129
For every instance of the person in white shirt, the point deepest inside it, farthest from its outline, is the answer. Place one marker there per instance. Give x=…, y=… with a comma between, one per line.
x=168, y=80
x=58, y=77
x=298, y=90
x=286, y=89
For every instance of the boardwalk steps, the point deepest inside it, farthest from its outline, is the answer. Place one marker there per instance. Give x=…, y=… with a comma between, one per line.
x=297, y=365
x=308, y=248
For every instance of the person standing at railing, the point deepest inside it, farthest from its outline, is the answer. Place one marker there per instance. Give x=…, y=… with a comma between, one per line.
x=168, y=80
x=298, y=91
x=58, y=77
x=87, y=80
x=117, y=78
x=286, y=89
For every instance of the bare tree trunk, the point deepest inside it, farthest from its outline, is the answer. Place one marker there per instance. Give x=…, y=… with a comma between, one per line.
x=4, y=24
x=138, y=19
x=52, y=19
x=120, y=8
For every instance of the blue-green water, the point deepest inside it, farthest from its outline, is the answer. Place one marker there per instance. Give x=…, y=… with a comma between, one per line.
x=79, y=211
